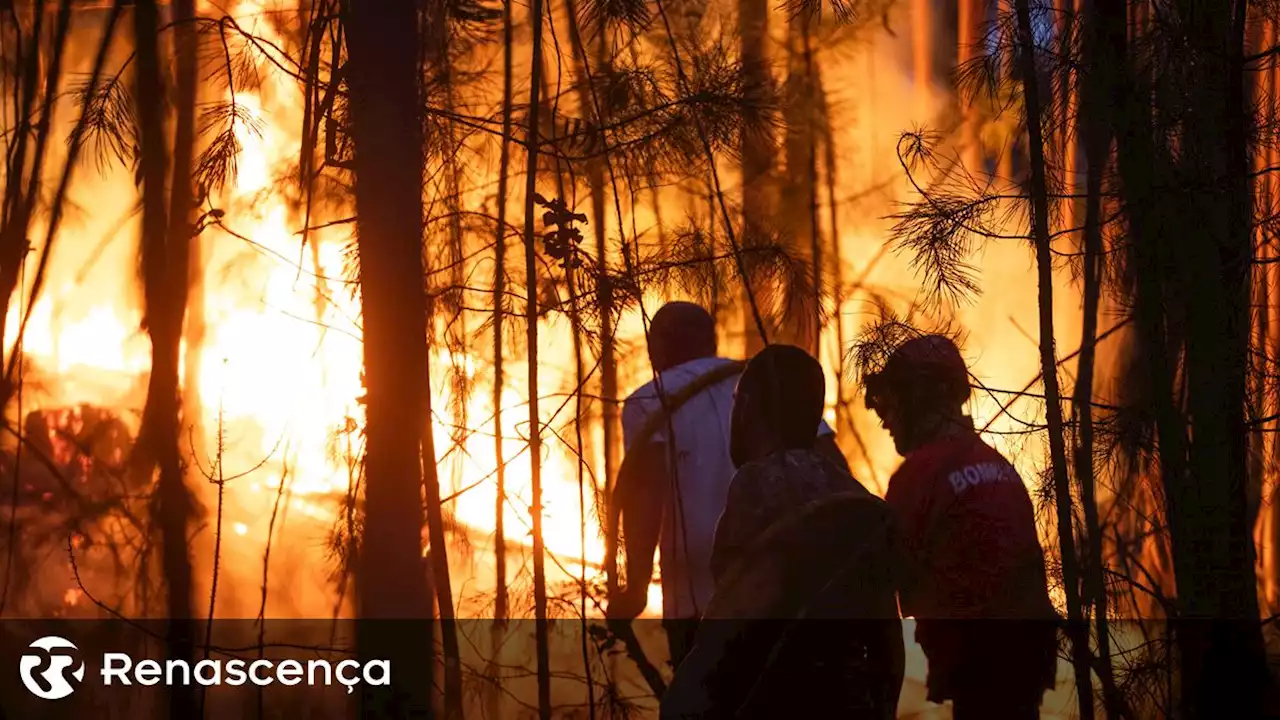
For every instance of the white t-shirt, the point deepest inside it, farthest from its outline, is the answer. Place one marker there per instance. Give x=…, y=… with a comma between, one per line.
x=704, y=471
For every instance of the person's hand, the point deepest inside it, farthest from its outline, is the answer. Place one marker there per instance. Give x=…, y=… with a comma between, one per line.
x=627, y=604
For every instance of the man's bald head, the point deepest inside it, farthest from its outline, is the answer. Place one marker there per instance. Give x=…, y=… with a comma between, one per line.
x=680, y=332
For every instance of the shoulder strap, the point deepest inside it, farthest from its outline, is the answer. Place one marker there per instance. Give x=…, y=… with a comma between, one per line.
x=676, y=400
x=658, y=420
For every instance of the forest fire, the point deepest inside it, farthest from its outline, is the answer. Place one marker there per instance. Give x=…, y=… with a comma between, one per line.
x=279, y=364
x=868, y=189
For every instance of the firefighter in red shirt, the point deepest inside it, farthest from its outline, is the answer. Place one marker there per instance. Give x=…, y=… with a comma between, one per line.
x=975, y=577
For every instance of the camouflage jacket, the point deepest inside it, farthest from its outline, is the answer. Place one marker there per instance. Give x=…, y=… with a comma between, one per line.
x=767, y=490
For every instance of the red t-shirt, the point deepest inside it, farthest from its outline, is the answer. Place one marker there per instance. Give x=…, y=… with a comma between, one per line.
x=968, y=529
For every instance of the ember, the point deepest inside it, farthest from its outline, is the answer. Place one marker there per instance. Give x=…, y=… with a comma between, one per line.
x=75, y=452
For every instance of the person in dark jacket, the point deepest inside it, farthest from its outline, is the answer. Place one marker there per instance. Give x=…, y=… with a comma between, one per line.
x=675, y=476
x=803, y=618
x=975, y=575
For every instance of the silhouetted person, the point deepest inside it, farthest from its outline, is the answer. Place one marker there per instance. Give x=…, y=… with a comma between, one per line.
x=975, y=575
x=804, y=619
x=698, y=388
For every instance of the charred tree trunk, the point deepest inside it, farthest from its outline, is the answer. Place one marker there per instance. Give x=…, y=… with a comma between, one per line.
x=1198, y=239
x=382, y=46
x=1066, y=12
x=182, y=207
x=597, y=182
x=541, y=637
x=969, y=21
x=500, y=602
x=921, y=54
x=608, y=352
x=1004, y=164
x=1271, y=71
x=164, y=254
x=1259, y=365
x=1223, y=661
x=803, y=326
x=757, y=159
x=1094, y=121
x=1077, y=631
x=439, y=66
x=33, y=98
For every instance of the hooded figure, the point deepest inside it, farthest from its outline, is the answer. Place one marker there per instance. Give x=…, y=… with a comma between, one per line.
x=804, y=617
x=675, y=477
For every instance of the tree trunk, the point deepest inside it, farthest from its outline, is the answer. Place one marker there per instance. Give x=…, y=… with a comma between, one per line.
x=803, y=322
x=532, y=138
x=164, y=252
x=182, y=206
x=757, y=159
x=1259, y=317
x=967, y=47
x=1067, y=12
x=599, y=187
x=500, y=602
x=921, y=54
x=439, y=65
x=1273, y=335
x=1199, y=242
x=1095, y=124
x=382, y=46
x=1048, y=360
x=1222, y=661
x=1004, y=167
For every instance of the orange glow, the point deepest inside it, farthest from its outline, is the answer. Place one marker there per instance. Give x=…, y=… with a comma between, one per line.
x=280, y=363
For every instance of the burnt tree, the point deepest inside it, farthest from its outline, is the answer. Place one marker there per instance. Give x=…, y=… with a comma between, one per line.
x=387, y=135
x=165, y=247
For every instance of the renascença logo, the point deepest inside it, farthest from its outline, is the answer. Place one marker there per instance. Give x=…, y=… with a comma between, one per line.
x=45, y=671
x=119, y=667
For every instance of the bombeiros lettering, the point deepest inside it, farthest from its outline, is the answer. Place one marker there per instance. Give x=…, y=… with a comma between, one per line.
x=982, y=473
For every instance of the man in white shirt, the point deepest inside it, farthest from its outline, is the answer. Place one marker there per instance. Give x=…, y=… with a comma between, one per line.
x=675, y=477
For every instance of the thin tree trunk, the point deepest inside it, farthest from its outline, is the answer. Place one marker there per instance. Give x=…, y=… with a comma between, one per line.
x=844, y=425
x=968, y=21
x=382, y=47
x=1048, y=359
x=757, y=155
x=500, y=602
x=1004, y=170
x=439, y=63
x=811, y=168
x=541, y=639
x=801, y=324
x=579, y=418
x=1067, y=11
x=182, y=206
x=164, y=268
x=1096, y=126
x=18, y=202
x=1270, y=71
x=438, y=557
x=1259, y=365
x=598, y=184
x=921, y=54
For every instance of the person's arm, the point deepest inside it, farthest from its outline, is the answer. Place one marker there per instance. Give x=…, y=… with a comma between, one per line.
x=639, y=498
x=916, y=511
x=739, y=523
